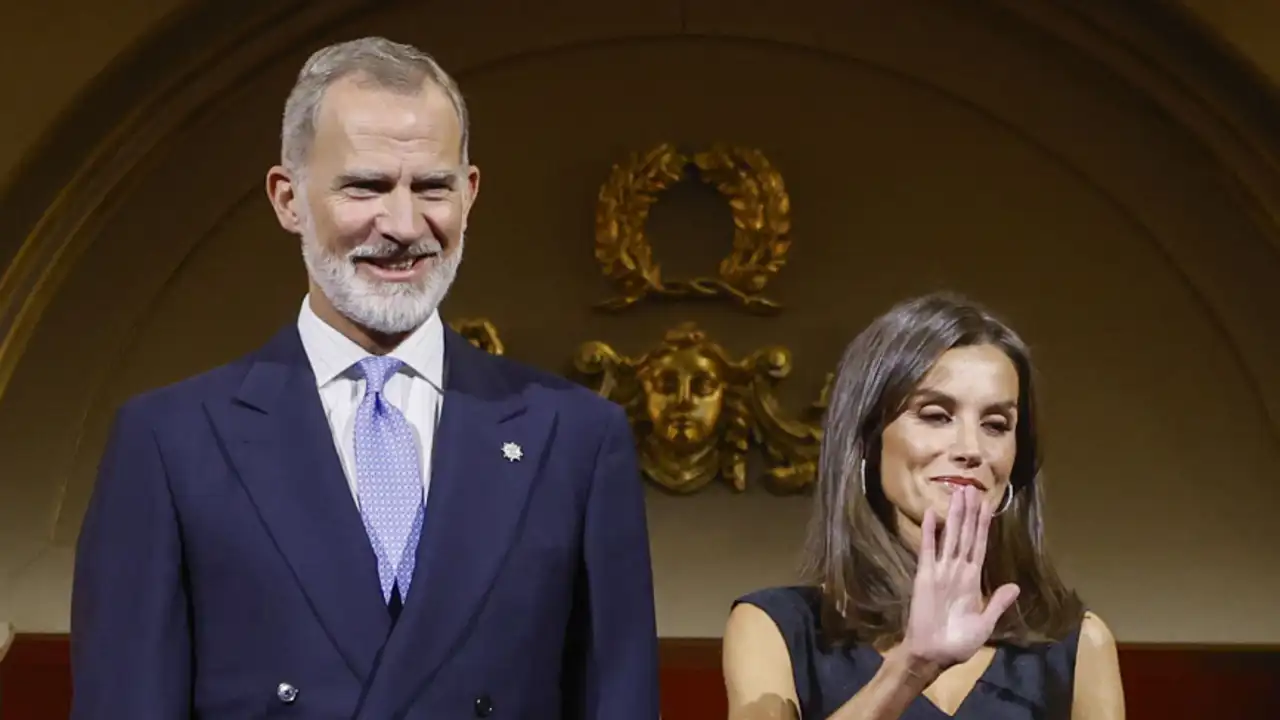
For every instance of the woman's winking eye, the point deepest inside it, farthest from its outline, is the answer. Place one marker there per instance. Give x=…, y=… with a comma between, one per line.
x=935, y=415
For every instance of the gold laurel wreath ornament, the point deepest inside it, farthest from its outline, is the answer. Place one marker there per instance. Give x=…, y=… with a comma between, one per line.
x=761, y=210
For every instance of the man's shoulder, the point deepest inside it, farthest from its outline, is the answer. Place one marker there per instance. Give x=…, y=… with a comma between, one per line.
x=188, y=394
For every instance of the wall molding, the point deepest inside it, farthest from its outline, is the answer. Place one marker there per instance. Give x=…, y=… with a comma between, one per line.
x=71, y=177
x=87, y=157
x=1216, y=96
x=1162, y=681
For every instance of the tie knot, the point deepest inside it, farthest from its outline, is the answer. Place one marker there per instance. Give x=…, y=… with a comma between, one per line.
x=377, y=369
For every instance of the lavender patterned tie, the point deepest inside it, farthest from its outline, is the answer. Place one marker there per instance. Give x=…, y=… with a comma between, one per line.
x=388, y=478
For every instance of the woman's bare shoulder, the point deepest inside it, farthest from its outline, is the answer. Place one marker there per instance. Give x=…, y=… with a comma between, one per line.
x=757, y=666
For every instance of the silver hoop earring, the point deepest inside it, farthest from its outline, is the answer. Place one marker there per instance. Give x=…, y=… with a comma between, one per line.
x=862, y=476
x=1008, y=500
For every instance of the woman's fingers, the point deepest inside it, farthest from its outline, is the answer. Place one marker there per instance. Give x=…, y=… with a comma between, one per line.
x=951, y=531
x=968, y=527
x=1001, y=600
x=980, y=538
x=928, y=538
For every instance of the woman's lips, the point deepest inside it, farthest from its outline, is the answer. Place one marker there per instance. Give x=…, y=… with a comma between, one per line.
x=958, y=481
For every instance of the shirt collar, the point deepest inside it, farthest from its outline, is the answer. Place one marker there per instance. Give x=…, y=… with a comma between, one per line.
x=332, y=354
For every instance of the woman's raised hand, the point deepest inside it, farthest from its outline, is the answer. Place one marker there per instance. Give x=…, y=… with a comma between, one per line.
x=949, y=620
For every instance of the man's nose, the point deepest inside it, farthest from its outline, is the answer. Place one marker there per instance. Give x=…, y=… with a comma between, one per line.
x=400, y=220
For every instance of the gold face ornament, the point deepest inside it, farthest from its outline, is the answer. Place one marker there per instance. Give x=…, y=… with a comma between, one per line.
x=697, y=412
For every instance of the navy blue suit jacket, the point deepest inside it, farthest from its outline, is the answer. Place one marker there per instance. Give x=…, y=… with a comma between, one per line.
x=222, y=556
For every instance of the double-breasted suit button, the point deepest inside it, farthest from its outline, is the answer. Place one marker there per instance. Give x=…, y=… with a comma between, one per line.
x=484, y=706
x=286, y=692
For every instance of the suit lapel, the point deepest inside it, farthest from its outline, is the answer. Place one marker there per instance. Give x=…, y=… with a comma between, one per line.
x=282, y=449
x=474, y=512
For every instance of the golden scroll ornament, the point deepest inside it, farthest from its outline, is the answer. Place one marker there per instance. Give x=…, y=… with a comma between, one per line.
x=481, y=333
x=761, y=210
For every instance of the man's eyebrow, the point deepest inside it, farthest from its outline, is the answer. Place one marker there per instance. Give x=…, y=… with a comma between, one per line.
x=437, y=177
x=447, y=178
x=351, y=177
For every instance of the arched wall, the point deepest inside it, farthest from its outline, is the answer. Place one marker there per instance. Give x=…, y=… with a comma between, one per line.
x=1066, y=166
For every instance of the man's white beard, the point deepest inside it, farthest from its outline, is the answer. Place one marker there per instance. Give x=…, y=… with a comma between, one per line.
x=391, y=308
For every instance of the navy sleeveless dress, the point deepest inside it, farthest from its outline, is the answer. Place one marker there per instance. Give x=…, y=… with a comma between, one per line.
x=1021, y=683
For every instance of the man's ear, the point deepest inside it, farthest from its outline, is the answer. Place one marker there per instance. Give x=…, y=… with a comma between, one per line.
x=284, y=193
x=473, y=185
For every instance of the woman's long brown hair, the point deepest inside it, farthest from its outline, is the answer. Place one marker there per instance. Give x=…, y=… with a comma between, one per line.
x=865, y=570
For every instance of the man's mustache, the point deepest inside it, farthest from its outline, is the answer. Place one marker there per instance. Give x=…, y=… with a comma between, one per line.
x=389, y=249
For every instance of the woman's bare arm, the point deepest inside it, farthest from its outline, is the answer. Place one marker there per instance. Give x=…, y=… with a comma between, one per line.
x=757, y=668
x=1099, y=693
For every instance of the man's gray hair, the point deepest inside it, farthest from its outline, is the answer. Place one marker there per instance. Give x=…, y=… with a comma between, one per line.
x=375, y=60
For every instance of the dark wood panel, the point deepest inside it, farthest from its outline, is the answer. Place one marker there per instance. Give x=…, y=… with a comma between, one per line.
x=35, y=678
x=1162, y=682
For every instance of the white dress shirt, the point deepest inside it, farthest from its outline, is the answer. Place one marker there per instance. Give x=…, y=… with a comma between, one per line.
x=416, y=390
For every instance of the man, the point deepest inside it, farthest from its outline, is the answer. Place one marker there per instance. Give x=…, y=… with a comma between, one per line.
x=368, y=517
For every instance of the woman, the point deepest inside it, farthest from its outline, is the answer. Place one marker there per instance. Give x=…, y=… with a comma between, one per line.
x=930, y=594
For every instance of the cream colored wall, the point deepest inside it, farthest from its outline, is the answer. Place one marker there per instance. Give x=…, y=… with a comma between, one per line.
x=924, y=146
x=73, y=40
